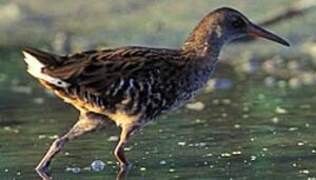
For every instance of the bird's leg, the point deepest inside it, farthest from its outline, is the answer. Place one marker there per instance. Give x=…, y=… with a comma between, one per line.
x=126, y=132
x=86, y=123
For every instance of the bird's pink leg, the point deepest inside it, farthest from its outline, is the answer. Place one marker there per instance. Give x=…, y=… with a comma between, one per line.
x=85, y=124
x=126, y=132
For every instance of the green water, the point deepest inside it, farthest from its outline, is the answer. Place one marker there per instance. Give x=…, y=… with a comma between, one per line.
x=248, y=131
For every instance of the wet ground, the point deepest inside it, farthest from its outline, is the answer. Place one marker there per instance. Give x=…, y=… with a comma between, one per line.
x=242, y=130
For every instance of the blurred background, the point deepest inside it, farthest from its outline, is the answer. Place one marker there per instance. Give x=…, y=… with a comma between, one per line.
x=255, y=119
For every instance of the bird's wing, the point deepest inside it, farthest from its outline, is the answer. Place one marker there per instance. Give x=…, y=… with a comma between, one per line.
x=99, y=72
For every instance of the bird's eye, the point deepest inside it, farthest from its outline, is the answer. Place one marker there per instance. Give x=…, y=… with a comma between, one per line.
x=238, y=23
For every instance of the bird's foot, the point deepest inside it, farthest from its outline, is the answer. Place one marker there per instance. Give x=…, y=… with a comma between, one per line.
x=42, y=166
x=42, y=171
x=124, y=169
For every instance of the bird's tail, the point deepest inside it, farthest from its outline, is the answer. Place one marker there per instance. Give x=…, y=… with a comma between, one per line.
x=37, y=61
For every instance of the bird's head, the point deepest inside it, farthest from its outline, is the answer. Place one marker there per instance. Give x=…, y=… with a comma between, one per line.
x=229, y=24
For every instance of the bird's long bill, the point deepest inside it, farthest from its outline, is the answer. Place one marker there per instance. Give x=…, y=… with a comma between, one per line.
x=257, y=31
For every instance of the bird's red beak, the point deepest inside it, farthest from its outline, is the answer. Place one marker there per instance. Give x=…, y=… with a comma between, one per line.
x=257, y=31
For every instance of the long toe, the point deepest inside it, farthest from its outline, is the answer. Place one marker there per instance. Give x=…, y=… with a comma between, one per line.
x=41, y=168
x=43, y=173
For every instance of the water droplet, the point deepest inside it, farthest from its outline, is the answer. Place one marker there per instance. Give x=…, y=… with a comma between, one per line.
x=245, y=116
x=38, y=100
x=224, y=115
x=87, y=168
x=142, y=169
x=225, y=154
x=280, y=110
x=181, y=143
x=236, y=152
x=293, y=128
x=75, y=170
x=172, y=170
x=215, y=101
x=237, y=126
x=163, y=162
x=53, y=137
x=97, y=165
x=197, y=106
x=275, y=120
x=227, y=101
x=304, y=171
x=41, y=136
x=113, y=138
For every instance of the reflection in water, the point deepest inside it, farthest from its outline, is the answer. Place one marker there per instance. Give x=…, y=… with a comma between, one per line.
x=121, y=175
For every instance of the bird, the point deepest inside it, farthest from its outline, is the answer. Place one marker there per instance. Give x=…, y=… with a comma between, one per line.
x=133, y=85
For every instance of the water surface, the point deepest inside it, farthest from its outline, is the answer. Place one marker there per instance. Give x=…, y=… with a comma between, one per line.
x=248, y=131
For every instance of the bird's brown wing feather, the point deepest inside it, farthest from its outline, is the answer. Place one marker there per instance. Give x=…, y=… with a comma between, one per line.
x=135, y=80
x=98, y=71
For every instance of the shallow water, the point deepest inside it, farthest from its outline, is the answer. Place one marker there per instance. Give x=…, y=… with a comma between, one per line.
x=248, y=131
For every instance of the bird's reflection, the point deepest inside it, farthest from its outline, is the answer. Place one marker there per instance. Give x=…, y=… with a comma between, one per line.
x=121, y=175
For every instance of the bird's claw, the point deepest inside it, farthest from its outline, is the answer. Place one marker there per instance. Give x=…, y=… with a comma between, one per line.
x=124, y=169
x=42, y=171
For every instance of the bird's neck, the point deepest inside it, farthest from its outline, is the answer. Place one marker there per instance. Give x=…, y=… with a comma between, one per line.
x=206, y=41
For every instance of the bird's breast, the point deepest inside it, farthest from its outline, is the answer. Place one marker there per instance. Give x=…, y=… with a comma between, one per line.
x=190, y=86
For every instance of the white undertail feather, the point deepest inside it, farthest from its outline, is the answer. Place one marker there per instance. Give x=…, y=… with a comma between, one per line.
x=35, y=67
